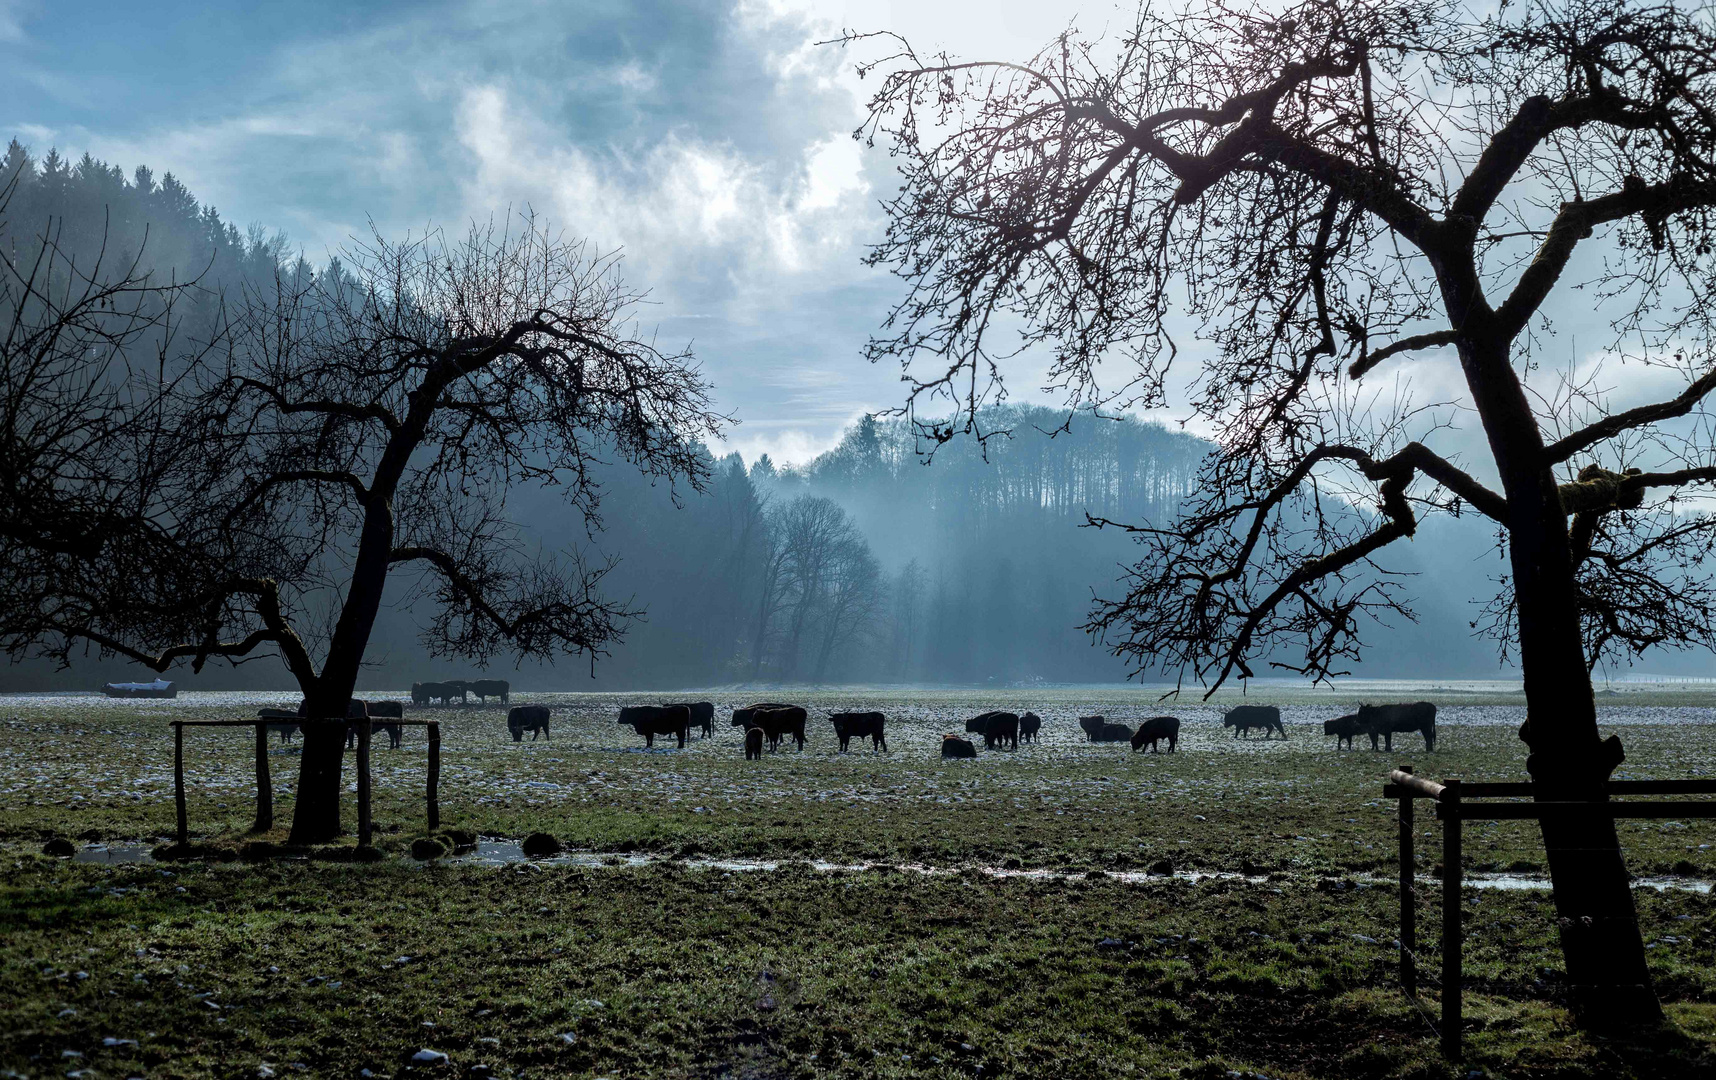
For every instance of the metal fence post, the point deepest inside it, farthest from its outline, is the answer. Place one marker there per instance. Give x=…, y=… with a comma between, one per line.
x=1452, y=1005
x=264, y=783
x=434, y=795
x=179, y=781
x=1408, y=900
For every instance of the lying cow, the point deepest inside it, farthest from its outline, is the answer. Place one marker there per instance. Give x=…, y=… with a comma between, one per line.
x=952, y=746
x=1028, y=726
x=488, y=688
x=1155, y=729
x=1100, y=730
x=651, y=720
x=379, y=713
x=777, y=721
x=523, y=718
x=754, y=744
x=1344, y=728
x=1245, y=717
x=702, y=715
x=996, y=728
x=1386, y=721
x=859, y=725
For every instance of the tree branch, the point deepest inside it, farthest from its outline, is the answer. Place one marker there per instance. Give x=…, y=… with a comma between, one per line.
x=1612, y=425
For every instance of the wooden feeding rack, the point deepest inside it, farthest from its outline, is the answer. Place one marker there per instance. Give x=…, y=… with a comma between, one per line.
x=1454, y=805
x=265, y=785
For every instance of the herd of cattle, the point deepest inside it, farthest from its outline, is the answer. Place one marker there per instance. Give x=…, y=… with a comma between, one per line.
x=423, y=693
x=772, y=723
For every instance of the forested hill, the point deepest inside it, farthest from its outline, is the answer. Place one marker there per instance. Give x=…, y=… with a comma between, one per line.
x=866, y=564
x=93, y=211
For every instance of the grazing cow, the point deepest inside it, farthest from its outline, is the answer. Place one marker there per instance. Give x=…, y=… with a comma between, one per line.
x=426, y=692
x=754, y=744
x=1028, y=725
x=1155, y=728
x=777, y=721
x=952, y=746
x=1091, y=725
x=457, y=687
x=859, y=725
x=523, y=718
x=1111, y=733
x=1385, y=721
x=287, y=724
x=1245, y=717
x=379, y=712
x=650, y=721
x=488, y=688
x=1344, y=727
x=702, y=715
x=995, y=727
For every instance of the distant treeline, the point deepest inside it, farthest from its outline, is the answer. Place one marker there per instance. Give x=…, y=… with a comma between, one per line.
x=866, y=564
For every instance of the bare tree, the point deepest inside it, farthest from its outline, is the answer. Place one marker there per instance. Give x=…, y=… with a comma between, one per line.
x=853, y=602
x=366, y=422
x=1318, y=193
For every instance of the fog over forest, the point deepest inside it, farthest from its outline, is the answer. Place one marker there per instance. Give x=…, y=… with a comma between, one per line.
x=865, y=564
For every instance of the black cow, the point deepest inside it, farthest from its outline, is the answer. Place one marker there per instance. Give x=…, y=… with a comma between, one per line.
x=777, y=721
x=702, y=715
x=1344, y=728
x=952, y=746
x=650, y=721
x=996, y=728
x=458, y=687
x=1091, y=725
x=859, y=725
x=1154, y=729
x=286, y=725
x=1385, y=721
x=488, y=688
x=1245, y=717
x=379, y=712
x=531, y=718
x=1107, y=732
x=426, y=692
x=754, y=744
x=1028, y=726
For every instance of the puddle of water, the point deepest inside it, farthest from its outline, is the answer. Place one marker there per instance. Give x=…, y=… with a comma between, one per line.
x=490, y=851
x=113, y=853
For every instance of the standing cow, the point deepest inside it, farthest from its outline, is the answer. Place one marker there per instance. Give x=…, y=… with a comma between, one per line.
x=1344, y=728
x=997, y=728
x=488, y=688
x=777, y=721
x=859, y=725
x=1155, y=729
x=1029, y=724
x=379, y=713
x=1245, y=717
x=702, y=715
x=650, y=721
x=531, y=718
x=1386, y=721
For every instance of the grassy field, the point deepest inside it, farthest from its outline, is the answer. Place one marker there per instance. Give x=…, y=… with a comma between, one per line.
x=1279, y=964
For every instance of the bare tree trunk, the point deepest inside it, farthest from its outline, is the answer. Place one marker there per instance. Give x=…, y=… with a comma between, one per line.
x=1600, y=938
x=316, y=803
x=1609, y=982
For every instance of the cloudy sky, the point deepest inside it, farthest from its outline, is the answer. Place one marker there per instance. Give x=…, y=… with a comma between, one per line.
x=710, y=140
